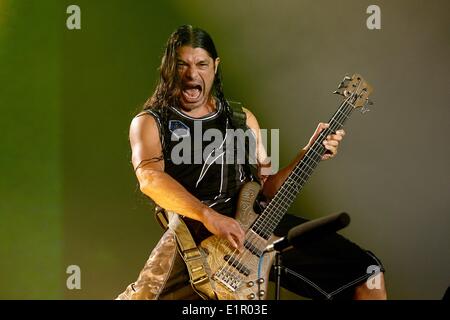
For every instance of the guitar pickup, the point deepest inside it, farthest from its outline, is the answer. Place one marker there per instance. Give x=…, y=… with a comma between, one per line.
x=237, y=265
x=252, y=248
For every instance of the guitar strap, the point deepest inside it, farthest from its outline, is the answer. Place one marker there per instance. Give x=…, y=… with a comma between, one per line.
x=189, y=251
x=239, y=121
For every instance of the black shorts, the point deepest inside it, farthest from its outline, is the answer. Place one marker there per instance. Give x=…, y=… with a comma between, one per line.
x=328, y=268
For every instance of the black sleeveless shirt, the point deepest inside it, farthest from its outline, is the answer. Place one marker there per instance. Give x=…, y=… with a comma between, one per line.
x=199, y=156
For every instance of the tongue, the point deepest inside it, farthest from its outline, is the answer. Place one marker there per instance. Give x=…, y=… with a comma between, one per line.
x=192, y=93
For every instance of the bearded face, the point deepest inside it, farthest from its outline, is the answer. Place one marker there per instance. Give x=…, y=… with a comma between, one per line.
x=196, y=70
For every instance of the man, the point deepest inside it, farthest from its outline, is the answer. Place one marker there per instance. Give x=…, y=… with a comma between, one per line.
x=205, y=194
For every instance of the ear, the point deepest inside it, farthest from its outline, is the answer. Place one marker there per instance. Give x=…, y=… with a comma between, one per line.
x=216, y=64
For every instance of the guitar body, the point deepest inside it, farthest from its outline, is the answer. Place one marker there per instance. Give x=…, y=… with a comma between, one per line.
x=239, y=279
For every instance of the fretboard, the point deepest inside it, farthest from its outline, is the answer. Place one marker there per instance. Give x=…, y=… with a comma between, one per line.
x=278, y=206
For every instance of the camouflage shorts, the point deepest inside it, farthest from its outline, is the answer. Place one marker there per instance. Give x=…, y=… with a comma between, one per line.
x=164, y=276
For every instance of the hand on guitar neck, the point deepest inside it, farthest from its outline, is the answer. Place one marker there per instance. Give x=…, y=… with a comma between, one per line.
x=331, y=144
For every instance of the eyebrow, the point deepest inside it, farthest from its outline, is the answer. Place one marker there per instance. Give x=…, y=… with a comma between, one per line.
x=200, y=61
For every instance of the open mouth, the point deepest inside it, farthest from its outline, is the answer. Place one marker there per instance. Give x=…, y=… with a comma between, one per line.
x=192, y=92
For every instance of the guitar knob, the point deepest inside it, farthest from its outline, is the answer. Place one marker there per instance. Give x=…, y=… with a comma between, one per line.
x=260, y=280
x=251, y=296
x=250, y=284
x=261, y=293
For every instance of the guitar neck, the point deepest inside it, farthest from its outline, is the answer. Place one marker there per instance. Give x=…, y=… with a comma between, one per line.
x=278, y=206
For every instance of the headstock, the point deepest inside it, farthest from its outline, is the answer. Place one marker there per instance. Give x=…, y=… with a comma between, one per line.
x=356, y=91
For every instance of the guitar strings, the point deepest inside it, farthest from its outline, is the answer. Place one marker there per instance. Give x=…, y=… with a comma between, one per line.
x=271, y=216
x=270, y=219
x=306, y=168
x=288, y=196
x=254, y=237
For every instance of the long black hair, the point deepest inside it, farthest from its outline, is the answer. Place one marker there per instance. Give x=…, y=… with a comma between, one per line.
x=167, y=89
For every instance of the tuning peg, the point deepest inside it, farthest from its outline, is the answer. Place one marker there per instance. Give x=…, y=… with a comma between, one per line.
x=347, y=78
x=365, y=107
x=338, y=92
x=341, y=85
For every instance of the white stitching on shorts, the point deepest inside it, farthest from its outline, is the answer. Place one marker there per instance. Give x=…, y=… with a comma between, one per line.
x=308, y=281
x=349, y=284
x=329, y=295
x=358, y=279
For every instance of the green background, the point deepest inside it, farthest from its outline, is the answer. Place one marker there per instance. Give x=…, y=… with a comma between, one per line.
x=68, y=194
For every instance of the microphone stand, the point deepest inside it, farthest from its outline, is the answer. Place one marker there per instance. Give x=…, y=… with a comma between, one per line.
x=277, y=267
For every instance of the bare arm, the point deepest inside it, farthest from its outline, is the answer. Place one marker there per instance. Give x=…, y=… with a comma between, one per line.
x=166, y=191
x=271, y=183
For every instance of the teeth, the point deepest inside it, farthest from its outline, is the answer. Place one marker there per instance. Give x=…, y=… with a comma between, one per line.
x=192, y=86
x=192, y=93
